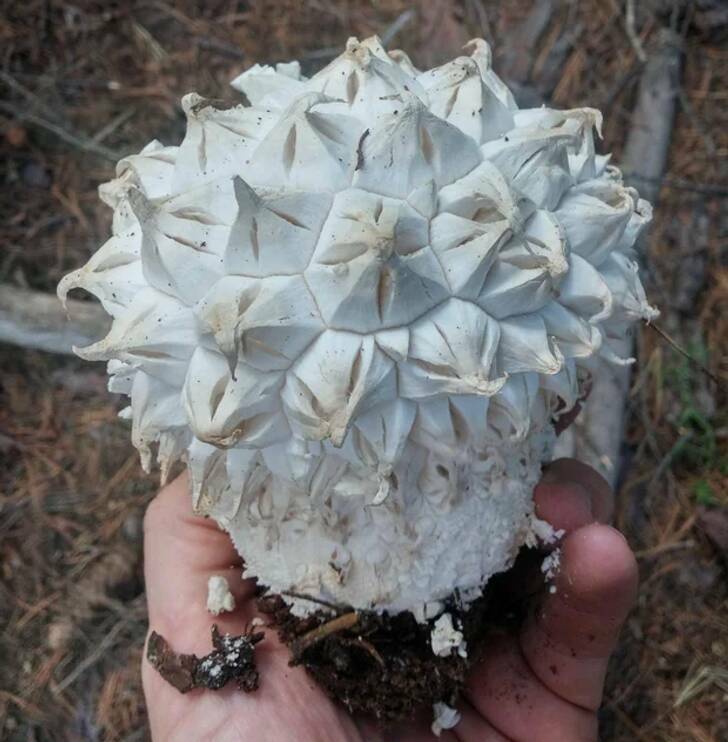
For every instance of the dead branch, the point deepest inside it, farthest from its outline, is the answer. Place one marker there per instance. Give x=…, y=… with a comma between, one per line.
x=34, y=319
x=599, y=430
x=669, y=340
x=634, y=39
x=399, y=23
x=517, y=63
x=79, y=142
x=552, y=68
x=345, y=622
x=648, y=143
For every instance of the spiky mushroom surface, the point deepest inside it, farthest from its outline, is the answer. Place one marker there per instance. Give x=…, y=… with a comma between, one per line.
x=353, y=306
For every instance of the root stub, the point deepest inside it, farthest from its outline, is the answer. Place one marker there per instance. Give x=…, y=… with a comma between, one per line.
x=382, y=665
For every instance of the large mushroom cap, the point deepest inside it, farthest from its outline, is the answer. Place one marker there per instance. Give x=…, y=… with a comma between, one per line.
x=353, y=307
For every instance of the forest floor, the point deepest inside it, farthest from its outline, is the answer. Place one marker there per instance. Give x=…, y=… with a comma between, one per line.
x=84, y=83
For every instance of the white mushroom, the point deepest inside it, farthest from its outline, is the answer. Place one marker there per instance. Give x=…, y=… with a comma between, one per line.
x=219, y=598
x=354, y=307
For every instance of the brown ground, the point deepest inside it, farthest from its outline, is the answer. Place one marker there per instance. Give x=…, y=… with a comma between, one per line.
x=72, y=613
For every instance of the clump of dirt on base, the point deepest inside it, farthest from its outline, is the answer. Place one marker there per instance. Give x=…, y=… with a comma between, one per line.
x=383, y=665
x=232, y=657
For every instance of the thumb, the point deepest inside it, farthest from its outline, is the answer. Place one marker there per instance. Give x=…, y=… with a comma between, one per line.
x=181, y=552
x=569, y=638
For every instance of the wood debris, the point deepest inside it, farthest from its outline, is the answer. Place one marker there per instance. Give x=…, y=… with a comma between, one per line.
x=232, y=658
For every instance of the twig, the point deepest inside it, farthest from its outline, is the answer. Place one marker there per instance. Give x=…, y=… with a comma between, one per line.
x=106, y=131
x=603, y=417
x=715, y=379
x=632, y=35
x=34, y=319
x=481, y=14
x=549, y=70
x=667, y=460
x=221, y=47
x=32, y=710
x=369, y=648
x=664, y=548
x=328, y=52
x=29, y=95
x=148, y=42
x=697, y=123
x=681, y=184
x=83, y=143
x=517, y=64
x=340, y=623
x=402, y=20
x=648, y=143
x=705, y=677
x=300, y=596
x=193, y=26
x=94, y=657
x=619, y=85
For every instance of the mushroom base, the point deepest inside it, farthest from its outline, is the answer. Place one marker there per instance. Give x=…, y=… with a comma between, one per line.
x=383, y=665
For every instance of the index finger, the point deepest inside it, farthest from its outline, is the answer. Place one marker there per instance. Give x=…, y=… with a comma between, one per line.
x=181, y=552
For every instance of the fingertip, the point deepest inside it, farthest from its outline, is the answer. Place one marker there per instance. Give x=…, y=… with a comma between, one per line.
x=572, y=632
x=563, y=471
x=598, y=568
x=168, y=502
x=181, y=551
x=565, y=506
x=171, y=510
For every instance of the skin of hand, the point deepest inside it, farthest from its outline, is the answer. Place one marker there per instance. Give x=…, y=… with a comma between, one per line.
x=544, y=683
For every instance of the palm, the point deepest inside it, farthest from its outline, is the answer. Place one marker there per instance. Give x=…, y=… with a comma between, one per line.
x=288, y=705
x=543, y=684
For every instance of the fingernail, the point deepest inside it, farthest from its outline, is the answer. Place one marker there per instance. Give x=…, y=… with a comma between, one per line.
x=549, y=475
x=587, y=498
x=618, y=532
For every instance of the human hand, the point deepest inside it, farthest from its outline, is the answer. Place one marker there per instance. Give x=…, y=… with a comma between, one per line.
x=545, y=683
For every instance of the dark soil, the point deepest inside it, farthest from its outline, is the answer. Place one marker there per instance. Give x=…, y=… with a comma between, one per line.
x=383, y=665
